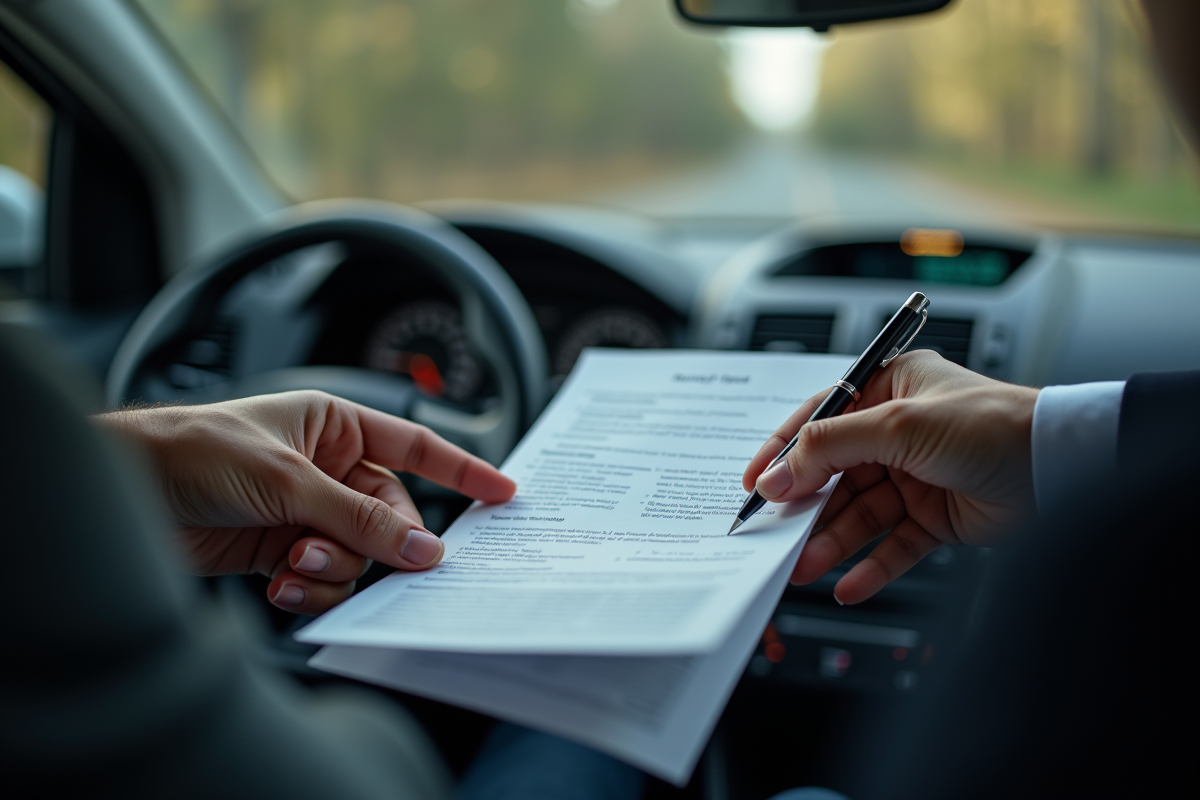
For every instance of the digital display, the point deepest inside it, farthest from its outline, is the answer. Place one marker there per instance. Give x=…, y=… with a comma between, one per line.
x=977, y=268
x=974, y=265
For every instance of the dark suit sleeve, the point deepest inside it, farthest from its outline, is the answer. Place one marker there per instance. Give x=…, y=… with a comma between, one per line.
x=118, y=677
x=1160, y=421
x=1078, y=676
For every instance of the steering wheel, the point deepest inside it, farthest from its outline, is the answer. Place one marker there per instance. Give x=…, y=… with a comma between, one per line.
x=496, y=320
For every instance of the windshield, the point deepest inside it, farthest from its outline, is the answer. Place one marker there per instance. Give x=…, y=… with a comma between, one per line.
x=1022, y=111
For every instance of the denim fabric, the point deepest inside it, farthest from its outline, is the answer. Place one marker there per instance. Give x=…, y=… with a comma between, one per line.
x=517, y=763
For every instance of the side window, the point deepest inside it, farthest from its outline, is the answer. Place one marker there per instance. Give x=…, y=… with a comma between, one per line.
x=24, y=136
x=79, y=228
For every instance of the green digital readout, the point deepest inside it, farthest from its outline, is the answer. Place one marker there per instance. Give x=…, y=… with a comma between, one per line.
x=970, y=268
x=979, y=265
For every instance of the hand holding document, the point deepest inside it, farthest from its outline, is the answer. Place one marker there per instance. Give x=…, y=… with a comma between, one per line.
x=604, y=602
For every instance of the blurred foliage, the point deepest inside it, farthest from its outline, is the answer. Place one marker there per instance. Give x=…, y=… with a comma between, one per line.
x=24, y=128
x=1052, y=103
x=426, y=98
x=1054, y=100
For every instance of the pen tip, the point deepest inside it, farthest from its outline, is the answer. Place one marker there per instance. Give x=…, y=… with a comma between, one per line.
x=737, y=523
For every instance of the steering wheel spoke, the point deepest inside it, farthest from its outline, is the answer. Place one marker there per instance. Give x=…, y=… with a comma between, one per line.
x=487, y=434
x=392, y=394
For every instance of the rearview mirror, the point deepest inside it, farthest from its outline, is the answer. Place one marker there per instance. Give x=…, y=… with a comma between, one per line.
x=815, y=14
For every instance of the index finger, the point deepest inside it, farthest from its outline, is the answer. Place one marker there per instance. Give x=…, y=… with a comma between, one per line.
x=779, y=439
x=408, y=447
x=878, y=390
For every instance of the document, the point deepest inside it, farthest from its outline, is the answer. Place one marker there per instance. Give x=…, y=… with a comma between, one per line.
x=615, y=543
x=605, y=602
x=655, y=713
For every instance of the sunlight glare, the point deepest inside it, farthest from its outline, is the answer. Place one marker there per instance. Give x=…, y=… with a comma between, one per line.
x=775, y=75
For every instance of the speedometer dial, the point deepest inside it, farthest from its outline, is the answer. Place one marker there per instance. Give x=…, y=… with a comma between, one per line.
x=608, y=327
x=426, y=341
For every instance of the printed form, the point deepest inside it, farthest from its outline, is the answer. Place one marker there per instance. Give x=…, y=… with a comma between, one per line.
x=605, y=602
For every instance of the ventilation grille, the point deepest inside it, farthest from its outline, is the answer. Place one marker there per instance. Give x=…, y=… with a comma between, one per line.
x=792, y=333
x=949, y=337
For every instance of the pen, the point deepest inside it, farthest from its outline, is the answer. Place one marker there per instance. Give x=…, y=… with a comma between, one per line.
x=893, y=340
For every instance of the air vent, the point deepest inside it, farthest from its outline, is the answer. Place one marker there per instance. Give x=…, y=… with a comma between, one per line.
x=792, y=333
x=949, y=337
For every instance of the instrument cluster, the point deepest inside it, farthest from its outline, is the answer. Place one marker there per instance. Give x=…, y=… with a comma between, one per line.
x=425, y=340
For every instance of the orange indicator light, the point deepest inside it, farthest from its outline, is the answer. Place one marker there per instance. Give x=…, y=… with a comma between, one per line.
x=931, y=242
x=775, y=652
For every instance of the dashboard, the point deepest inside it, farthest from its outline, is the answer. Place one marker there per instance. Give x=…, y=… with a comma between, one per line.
x=1030, y=307
x=578, y=300
x=1033, y=308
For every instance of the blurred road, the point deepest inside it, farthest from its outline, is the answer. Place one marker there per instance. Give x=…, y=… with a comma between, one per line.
x=775, y=177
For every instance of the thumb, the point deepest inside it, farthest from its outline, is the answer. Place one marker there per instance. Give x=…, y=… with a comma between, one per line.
x=364, y=523
x=829, y=446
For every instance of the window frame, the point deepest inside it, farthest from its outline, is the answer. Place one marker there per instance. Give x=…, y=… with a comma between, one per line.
x=102, y=233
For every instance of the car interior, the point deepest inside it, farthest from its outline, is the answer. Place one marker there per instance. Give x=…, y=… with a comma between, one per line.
x=143, y=228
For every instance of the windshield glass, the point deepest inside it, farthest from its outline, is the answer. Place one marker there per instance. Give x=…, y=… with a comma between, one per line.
x=1029, y=111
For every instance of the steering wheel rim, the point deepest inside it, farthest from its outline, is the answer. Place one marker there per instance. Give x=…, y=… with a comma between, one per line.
x=495, y=313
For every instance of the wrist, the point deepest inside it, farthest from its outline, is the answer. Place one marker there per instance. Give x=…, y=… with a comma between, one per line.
x=148, y=430
x=1014, y=451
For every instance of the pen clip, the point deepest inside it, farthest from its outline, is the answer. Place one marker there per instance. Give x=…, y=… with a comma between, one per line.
x=896, y=351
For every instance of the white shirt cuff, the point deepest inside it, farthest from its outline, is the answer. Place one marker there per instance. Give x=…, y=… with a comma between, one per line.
x=1074, y=439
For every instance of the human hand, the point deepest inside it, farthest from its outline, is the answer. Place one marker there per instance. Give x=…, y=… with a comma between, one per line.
x=932, y=454
x=297, y=487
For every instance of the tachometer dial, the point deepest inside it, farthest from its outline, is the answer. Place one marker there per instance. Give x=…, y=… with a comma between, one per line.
x=608, y=327
x=426, y=341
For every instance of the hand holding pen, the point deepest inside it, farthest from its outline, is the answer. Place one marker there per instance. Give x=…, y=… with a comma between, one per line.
x=893, y=340
x=932, y=454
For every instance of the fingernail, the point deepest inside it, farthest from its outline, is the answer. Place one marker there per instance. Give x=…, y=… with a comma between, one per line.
x=421, y=548
x=314, y=560
x=775, y=481
x=289, y=595
x=839, y=602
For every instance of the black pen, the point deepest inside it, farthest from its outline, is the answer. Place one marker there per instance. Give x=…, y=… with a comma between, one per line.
x=895, y=337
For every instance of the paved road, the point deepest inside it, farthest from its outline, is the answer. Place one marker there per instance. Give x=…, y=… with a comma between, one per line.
x=771, y=177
